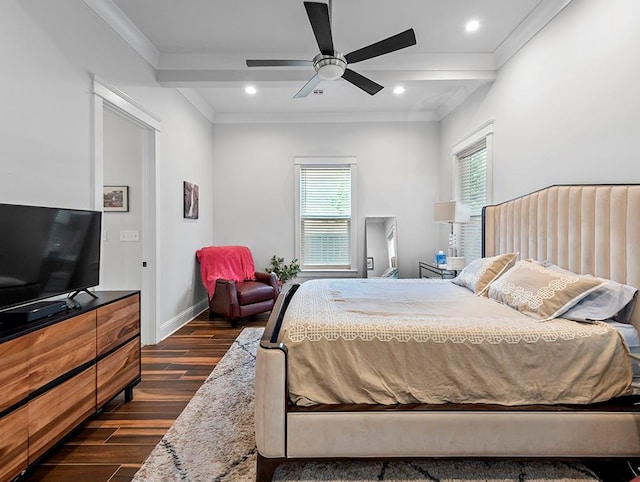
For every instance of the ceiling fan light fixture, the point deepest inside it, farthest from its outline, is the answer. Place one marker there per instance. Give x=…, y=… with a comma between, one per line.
x=330, y=67
x=398, y=90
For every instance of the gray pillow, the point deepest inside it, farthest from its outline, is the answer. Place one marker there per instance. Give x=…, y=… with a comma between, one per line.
x=610, y=301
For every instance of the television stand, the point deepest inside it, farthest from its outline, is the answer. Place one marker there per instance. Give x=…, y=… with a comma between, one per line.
x=95, y=297
x=59, y=372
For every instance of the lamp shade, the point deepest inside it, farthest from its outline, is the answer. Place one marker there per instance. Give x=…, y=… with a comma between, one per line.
x=451, y=212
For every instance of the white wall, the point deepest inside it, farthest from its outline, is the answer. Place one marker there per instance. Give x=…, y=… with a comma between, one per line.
x=254, y=183
x=48, y=50
x=566, y=106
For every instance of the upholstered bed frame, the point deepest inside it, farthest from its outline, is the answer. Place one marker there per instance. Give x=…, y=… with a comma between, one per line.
x=591, y=229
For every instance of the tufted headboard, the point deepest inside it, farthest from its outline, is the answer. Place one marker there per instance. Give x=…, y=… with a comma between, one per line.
x=588, y=229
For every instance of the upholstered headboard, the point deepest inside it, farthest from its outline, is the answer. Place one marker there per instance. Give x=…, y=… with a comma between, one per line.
x=588, y=229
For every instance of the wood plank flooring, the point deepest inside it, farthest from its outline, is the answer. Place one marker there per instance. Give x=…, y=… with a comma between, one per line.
x=114, y=444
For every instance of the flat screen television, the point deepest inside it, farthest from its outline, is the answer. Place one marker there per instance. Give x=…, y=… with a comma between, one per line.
x=47, y=251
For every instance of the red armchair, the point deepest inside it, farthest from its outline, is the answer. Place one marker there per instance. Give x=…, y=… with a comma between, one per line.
x=235, y=289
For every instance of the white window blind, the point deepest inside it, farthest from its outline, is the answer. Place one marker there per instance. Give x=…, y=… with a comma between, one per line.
x=472, y=185
x=325, y=217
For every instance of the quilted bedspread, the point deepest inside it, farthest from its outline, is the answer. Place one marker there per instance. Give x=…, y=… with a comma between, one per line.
x=381, y=341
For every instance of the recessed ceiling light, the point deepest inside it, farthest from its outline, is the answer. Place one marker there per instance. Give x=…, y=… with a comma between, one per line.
x=250, y=89
x=398, y=90
x=472, y=26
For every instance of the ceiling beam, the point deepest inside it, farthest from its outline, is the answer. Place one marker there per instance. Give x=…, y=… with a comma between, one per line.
x=222, y=78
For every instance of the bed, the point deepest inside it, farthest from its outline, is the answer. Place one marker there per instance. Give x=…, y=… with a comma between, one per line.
x=587, y=229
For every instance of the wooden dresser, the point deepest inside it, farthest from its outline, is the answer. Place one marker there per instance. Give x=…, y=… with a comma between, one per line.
x=57, y=372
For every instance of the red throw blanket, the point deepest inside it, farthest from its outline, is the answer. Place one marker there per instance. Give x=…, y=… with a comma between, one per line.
x=225, y=262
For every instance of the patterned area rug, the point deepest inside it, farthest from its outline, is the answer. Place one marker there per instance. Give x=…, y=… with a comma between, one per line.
x=213, y=440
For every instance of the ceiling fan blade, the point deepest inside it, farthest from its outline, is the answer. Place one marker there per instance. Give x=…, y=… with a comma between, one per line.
x=278, y=63
x=368, y=85
x=318, y=14
x=308, y=87
x=391, y=44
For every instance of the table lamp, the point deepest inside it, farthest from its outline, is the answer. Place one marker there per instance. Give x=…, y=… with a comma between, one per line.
x=451, y=212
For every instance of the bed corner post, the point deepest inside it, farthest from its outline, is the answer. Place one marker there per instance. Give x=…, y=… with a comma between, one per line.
x=271, y=394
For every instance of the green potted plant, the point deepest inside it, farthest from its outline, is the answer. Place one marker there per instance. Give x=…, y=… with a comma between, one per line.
x=284, y=272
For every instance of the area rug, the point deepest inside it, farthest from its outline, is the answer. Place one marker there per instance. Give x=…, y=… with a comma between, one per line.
x=213, y=440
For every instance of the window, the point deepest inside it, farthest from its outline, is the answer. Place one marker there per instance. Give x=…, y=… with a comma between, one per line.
x=472, y=159
x=472, y=182
x=325, y=213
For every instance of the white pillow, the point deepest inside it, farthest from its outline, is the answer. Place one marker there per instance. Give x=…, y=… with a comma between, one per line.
x=480, y=273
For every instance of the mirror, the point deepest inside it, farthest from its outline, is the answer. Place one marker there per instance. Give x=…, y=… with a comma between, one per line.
x=381, y=247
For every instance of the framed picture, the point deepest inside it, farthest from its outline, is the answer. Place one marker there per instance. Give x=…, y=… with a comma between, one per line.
x=191, y=197
x=116, y=198
x=369, y=262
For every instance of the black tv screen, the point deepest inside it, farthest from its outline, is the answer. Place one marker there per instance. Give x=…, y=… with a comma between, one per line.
x=47, y=251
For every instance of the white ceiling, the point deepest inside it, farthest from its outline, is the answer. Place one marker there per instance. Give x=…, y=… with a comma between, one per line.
x=200, y=46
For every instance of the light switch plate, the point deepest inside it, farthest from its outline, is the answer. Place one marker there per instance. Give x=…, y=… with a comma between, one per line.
x=130, y=235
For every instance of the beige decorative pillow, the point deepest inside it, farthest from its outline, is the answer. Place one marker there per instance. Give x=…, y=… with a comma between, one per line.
x=479, y=274
x=540, y=292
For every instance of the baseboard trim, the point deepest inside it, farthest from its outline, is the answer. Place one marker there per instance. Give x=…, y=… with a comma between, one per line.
x=175, y=323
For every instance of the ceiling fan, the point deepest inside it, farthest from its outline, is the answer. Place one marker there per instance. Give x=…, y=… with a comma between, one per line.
x=330, y=64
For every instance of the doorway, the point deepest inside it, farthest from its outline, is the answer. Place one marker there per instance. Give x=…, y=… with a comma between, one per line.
x=121, y=253
x=112, y=107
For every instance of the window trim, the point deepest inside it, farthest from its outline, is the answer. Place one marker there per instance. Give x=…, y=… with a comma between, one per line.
x=484, y=132
x=320, y=162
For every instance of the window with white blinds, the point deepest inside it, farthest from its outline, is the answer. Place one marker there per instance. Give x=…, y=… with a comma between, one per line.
x=472, y=191
x=325, y=217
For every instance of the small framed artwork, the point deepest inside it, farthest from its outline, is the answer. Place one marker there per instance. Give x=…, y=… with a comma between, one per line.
x=116, y=198
x=369, y=262
x=191, y=196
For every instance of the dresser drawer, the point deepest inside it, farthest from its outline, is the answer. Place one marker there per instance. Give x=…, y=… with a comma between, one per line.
x=14, y=438
x=14, y=371
x=57, y=412
x=60, y=348
x=118, y=370
x=117, y=322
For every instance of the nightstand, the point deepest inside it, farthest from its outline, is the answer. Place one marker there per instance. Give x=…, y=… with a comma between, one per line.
x=431, y=270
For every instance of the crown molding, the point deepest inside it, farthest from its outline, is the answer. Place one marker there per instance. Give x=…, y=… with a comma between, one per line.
x=198, y=102
x=544, y=13
x=123, y=26
x=457, y=98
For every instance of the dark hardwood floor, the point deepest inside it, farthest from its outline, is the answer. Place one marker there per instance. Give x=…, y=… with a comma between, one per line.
x=114, y=444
